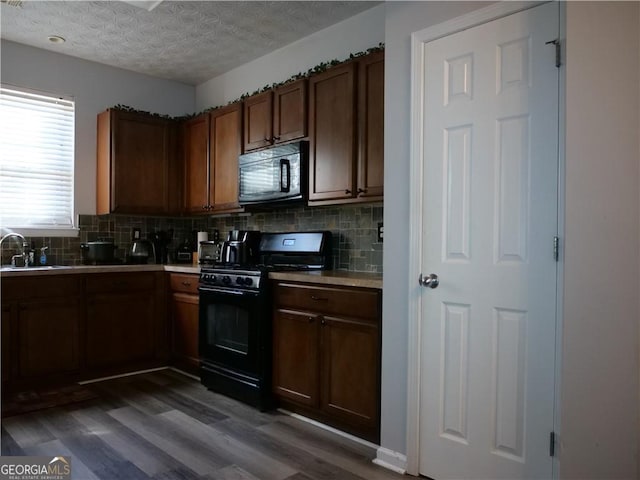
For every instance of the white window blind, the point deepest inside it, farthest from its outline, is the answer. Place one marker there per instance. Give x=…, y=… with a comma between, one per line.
x=36, y=160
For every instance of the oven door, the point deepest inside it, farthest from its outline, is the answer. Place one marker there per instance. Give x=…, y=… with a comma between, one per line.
x=231, y=328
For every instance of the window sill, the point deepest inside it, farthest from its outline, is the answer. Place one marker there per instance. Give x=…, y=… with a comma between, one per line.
x=44, y=232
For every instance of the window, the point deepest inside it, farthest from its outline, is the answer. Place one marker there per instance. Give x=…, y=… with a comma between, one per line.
x=36, y=160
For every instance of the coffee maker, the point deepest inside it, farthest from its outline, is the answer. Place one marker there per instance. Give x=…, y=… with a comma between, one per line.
x=161, y=241
x=241, y=247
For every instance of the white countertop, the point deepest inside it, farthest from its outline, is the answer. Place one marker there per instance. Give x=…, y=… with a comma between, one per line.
x=175, y=268
x=324, y=277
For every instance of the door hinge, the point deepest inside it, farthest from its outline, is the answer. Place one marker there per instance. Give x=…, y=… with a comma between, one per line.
x=556, y=248
x=556, y=43
x=552, y=444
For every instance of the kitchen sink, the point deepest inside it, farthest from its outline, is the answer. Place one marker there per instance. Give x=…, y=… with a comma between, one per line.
x=9, y=268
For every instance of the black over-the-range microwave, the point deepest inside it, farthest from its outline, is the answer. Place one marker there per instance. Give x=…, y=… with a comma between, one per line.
x=274, y=175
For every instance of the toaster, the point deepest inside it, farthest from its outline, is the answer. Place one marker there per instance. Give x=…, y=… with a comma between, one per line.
x=209, y=252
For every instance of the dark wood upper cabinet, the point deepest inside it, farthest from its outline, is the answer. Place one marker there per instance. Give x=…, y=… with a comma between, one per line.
x=225, y=146
x=346, y=132
x=195, y=139
x=371, y=127
x=276, y=116
x=332, y=134
x=138, y=168
x=258, y=126
x=212, y=143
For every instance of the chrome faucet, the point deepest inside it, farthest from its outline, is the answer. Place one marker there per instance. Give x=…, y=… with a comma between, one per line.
x=23, y=257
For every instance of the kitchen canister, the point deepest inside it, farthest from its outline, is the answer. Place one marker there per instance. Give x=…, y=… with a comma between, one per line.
x=202, y=237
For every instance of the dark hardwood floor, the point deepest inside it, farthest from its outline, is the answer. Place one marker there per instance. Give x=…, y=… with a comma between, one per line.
x=164, y=425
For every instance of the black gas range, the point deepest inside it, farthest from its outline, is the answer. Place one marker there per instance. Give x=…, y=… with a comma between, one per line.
x=235, y=314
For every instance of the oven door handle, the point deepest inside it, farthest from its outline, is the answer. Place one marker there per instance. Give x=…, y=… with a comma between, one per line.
x=225, y=291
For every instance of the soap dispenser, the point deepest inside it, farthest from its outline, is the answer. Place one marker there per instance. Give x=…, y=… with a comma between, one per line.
x=43, y=255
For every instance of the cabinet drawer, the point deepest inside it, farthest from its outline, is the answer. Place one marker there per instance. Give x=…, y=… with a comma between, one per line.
x=183, y=283
x=119, y=282
x=40, y=287
x=349, y=302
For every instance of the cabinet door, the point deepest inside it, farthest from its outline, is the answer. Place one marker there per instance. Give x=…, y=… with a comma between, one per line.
x=225, y=146
x=196, y=163
x=332, y=115
x=295, y=357
x=371, y=126
x=290, y=111
x=48, y=337
x=120, y=328
x=258, y=130
x=140, y=149
x=6, y=332
x=184, y=331
x=350, y=370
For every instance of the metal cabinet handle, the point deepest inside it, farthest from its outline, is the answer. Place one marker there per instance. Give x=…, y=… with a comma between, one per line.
x=319, y=299
x=322, y=321
x=362, y=190
x=347, y=192
x=311, y=319
x=186, y=284
x=429, y=281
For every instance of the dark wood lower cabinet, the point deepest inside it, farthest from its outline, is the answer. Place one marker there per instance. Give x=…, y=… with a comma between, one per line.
x=120, y=329
x=184, y=331
x=350, y=377
x=59, y=329
x=48, y=336
x=41, y=325
x=184, y=313
x=6, y=321
x=327, y=355
x=125, y=324
x=296, y=357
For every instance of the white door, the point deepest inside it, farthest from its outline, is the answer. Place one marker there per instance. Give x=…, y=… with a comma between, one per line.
x=490, y=149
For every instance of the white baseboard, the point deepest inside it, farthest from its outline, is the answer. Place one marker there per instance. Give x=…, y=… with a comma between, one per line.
x=353, y=438
x=391, y=460
x=182, y=372
x=120, y=375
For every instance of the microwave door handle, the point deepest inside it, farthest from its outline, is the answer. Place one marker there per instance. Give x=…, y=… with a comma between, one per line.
x=285, y=175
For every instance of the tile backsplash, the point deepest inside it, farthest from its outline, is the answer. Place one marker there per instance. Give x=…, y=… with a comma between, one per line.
x=354, y=228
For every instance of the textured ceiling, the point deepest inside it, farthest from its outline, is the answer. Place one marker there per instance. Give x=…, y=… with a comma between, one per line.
x=190, y=42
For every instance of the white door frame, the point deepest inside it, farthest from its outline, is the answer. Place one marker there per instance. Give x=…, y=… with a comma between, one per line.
x=416, y=194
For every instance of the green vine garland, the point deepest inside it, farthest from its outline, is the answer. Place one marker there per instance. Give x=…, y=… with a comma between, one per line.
x=312, y=71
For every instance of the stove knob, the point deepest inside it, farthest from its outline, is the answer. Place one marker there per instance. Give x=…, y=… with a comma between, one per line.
x=212, y=278
x=205, y=276
x=248, y=281
x=239, y=280
x=226, y=280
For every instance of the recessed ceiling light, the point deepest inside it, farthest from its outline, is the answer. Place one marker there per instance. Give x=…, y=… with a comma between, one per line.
x=56, y=39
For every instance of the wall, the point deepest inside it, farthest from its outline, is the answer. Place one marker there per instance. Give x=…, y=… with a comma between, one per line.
x=600, y=336
x=355, y=245
x=95, y=87
x=599, y=436
x=352, y=35
x=354, y=228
